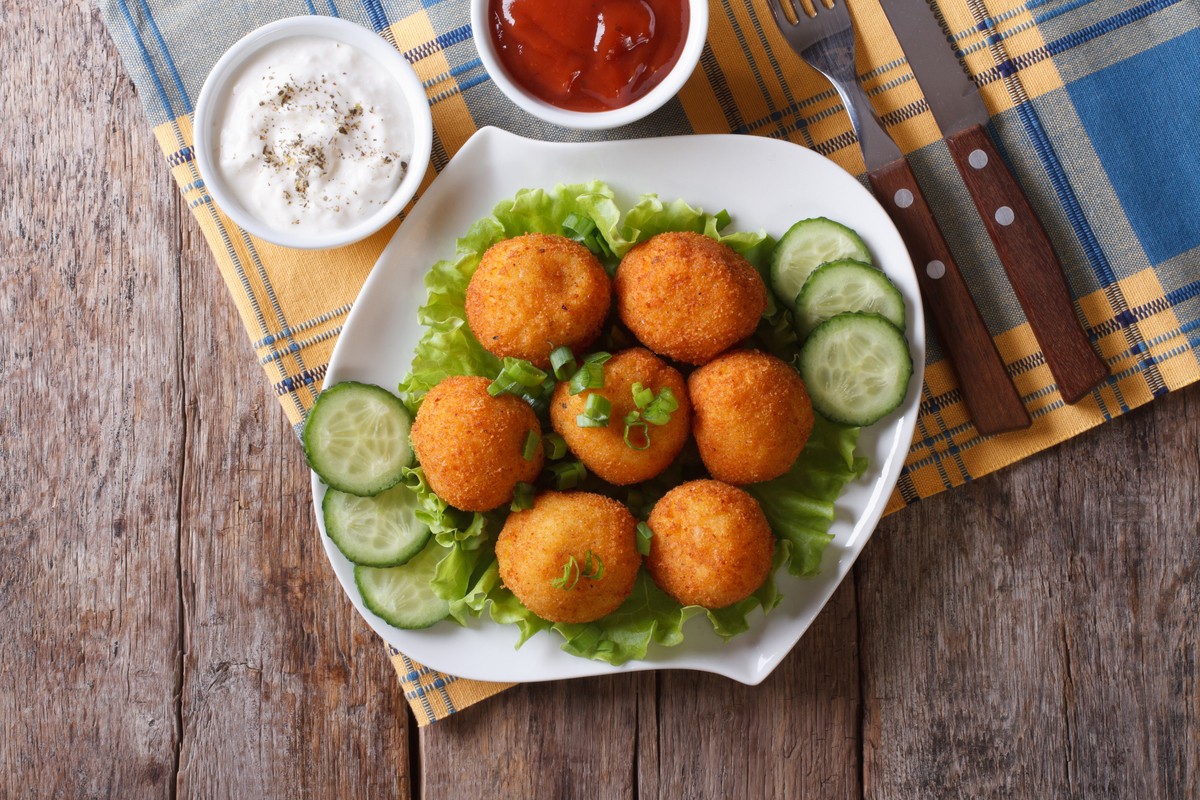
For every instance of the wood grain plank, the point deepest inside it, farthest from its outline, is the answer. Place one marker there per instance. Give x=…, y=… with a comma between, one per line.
x=795, y=735
x=1034, y=633
x=566, y=739
x=90, y=439
x=287, y=692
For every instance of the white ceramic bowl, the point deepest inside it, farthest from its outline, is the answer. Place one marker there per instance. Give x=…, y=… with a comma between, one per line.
x=215, y=92
x=670, y=85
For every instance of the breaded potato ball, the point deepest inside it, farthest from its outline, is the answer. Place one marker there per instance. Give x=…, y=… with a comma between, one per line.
x=572, y=557
x=471, y=443
x=688, y=297
x=752, y=416
x=603, y=450
x=712, y=545
x=536, y=292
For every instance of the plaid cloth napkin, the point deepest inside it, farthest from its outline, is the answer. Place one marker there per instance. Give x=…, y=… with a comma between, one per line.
x=1094, y=102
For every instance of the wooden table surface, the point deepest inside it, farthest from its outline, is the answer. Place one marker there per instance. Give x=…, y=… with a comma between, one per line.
x=170, y=626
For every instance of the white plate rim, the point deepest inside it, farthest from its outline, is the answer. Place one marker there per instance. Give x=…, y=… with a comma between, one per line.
x=492, y=155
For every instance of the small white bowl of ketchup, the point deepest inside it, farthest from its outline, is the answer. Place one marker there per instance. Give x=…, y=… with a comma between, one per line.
x=595, y=64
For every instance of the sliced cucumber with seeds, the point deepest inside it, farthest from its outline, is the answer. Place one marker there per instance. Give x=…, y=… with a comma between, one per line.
x=847, y=285
x=402, y=596
x=356, y=438
x=807, y=245
x=856, y=367
x=379, y=531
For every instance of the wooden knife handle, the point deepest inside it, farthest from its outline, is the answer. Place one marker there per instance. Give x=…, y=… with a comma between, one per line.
x=988, y=391
x=1029, y=259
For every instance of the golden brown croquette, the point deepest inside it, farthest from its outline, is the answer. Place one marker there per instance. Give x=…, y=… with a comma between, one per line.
x=572, y=557
x=712, y=545
x=603, y=450
x=688, y=297
x=752, y=416
x=536, y=292
x=471, y=443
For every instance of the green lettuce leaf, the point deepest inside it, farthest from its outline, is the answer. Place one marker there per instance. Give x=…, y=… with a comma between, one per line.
x=800, y=504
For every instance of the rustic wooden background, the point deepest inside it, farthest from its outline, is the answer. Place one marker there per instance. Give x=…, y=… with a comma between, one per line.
x=169, y=626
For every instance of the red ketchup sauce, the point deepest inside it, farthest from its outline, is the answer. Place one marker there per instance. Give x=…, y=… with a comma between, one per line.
x=588, y=55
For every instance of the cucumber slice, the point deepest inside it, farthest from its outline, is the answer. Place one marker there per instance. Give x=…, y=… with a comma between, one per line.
x=847, y=285
x=856, y=368
x=356, y=438
x=402, y=596
x=807, y=245
x=379, y=531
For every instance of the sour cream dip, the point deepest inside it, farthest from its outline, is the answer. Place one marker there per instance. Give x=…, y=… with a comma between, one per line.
x=314, y=135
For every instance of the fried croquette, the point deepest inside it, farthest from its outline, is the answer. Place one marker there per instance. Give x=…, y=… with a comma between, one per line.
x=688, y=297
x=470, y=443
x=536, y=292
x=603, y=450
x=752, y=416
x=572, y=557
x=712, y=545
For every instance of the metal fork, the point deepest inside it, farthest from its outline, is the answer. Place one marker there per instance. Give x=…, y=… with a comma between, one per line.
x=826, y=43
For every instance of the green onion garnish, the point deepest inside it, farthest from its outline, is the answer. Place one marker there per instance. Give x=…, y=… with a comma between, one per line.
x=595, y=412
x=652, y=409
x=659, y=411
x=584, y=231
x=529, y=450
x=642, y=396
x=637, y=434
x=644, y=535
x=592, y=569
x=722, y=218
x=562, y=361
x=523, y=372
x=522, y=497
x=517, y=376
x=567, y=474
x=554, y=445
x=590, y=374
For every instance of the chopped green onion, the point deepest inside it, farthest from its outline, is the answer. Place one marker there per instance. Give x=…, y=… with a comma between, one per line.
x=562, y=361
x=522, y=497
x=642, y=396
x=722, y=218
x=503, y=385
x=660, y=410
x=570, y=576
x=523, y=372
x=531, y=443
x=595, y=412
x=567, y=474
x=644, y=535
x=637, y=436
x=517, y=376
x=555, y=446
x=590, y=374
x=592, y=569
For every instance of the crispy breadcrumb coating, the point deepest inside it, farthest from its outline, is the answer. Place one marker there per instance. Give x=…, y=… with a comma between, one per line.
x=752, y=416
x=537, y=545
x=688, y=297
x=536, y=292
x=712, y=545
x=471, y=443
x=603, y=450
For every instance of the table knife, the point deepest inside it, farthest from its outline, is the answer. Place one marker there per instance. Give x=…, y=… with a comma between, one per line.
x=1025, y=251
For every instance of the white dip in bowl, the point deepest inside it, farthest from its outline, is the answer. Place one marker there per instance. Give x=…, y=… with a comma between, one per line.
x=310, y=140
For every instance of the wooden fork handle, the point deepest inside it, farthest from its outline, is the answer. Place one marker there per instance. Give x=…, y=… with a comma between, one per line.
x=1029, y=259
x=988, y=391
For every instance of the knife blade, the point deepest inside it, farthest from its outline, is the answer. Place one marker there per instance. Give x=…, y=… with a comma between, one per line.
x=1025, y=250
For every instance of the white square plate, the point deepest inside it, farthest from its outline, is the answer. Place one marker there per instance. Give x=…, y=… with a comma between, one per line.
x=764, y=184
